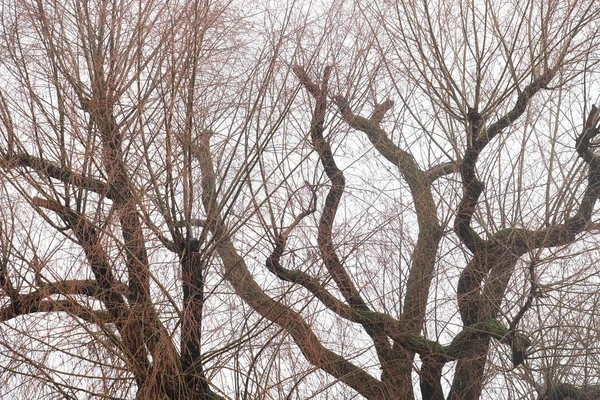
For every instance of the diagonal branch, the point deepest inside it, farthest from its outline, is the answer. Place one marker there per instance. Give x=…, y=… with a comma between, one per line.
x=237, y=274
x=90, y=242
x=523, y=99
x=98, y=259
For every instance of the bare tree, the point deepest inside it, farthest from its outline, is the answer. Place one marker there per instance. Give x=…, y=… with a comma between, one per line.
x=387, y=201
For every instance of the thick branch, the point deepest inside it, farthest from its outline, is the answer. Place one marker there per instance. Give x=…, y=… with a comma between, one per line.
x=236, y=272
x=421, y=273
x=52, y=170
x=473, y=187
x=90, y=242
x=416, y=343
x=443, y=169
x=192, y=270
x=39, y=301
x=29, y=306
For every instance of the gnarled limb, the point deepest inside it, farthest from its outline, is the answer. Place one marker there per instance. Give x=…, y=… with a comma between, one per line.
x=389, y=356
x=496, y=260
x=237, y=274
x=430, y=232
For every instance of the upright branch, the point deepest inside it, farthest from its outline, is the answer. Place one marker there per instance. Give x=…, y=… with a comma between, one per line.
x=338, y=183
x=483, y=283
x=193, y=263
x=430, y=234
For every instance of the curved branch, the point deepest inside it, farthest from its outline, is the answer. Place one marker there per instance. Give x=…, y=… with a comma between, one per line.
x=472, y=186
x=443, y=169
x=237, y=274
x=430, y=233
x=332, y=201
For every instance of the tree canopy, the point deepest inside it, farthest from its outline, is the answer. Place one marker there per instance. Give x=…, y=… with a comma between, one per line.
x=344, y=199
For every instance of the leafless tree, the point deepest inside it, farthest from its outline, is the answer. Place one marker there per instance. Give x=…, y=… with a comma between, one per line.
x=342, y=200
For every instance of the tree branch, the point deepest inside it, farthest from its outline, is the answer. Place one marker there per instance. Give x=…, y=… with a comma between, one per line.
x=430, y=232
x=39, y=301
x=52, y=170
x=237, y=274
x=99, y=263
